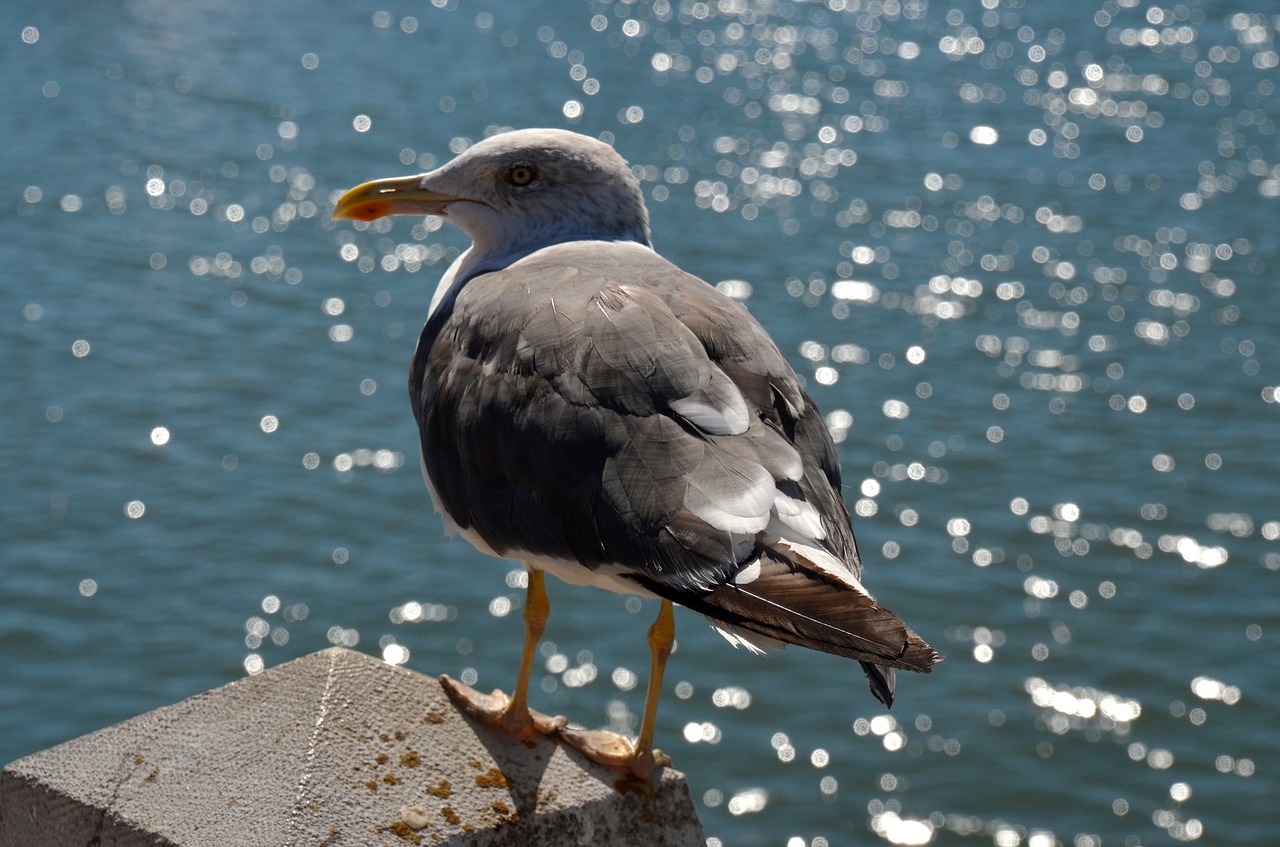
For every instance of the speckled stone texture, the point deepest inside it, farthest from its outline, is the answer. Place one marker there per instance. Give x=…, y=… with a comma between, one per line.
x=335, y=748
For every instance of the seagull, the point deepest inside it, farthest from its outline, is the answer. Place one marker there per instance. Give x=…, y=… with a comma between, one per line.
x=591, y=410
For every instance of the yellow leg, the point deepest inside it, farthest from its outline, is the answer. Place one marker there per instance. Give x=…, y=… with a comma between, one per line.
x=512, y=714
x=537, y=608
x=607, y=748
x=661, y=636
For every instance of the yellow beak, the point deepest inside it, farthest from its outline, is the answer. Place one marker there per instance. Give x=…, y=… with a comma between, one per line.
x=395, y=196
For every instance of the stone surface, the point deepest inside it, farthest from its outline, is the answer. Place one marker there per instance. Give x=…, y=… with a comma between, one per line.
x=336, y=748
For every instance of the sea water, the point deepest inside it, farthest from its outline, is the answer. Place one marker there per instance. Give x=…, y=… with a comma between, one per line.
x=1023, y=254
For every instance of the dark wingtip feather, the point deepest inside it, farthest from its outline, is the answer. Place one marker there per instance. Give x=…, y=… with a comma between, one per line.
x=883, y=682
x=795, y=601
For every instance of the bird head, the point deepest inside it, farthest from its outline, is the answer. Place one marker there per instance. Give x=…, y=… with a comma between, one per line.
x=518, y=190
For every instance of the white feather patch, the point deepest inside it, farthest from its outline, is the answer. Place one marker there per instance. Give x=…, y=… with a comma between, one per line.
x=746, y=510
x=727, y=419
x=748, y=574
x=608, y=577
x=446, y=281
x=797, y=516
x=793, y=467
x=754, y=642
x=727, y=521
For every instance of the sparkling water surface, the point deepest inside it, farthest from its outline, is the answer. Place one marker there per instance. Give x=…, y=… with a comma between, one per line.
x=1024, y=255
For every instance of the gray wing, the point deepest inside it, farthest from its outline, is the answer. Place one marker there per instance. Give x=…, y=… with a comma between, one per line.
x=593, y=402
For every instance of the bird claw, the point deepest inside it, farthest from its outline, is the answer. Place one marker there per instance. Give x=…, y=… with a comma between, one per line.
x=495, y=710
x=613, y=751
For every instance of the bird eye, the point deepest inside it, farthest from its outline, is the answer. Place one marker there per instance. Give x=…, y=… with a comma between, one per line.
x=521, y=175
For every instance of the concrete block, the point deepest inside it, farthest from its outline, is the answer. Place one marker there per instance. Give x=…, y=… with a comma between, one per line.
x=336, y=748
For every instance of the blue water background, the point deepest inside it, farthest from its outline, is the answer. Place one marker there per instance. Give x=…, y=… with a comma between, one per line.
x=1025, y=257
